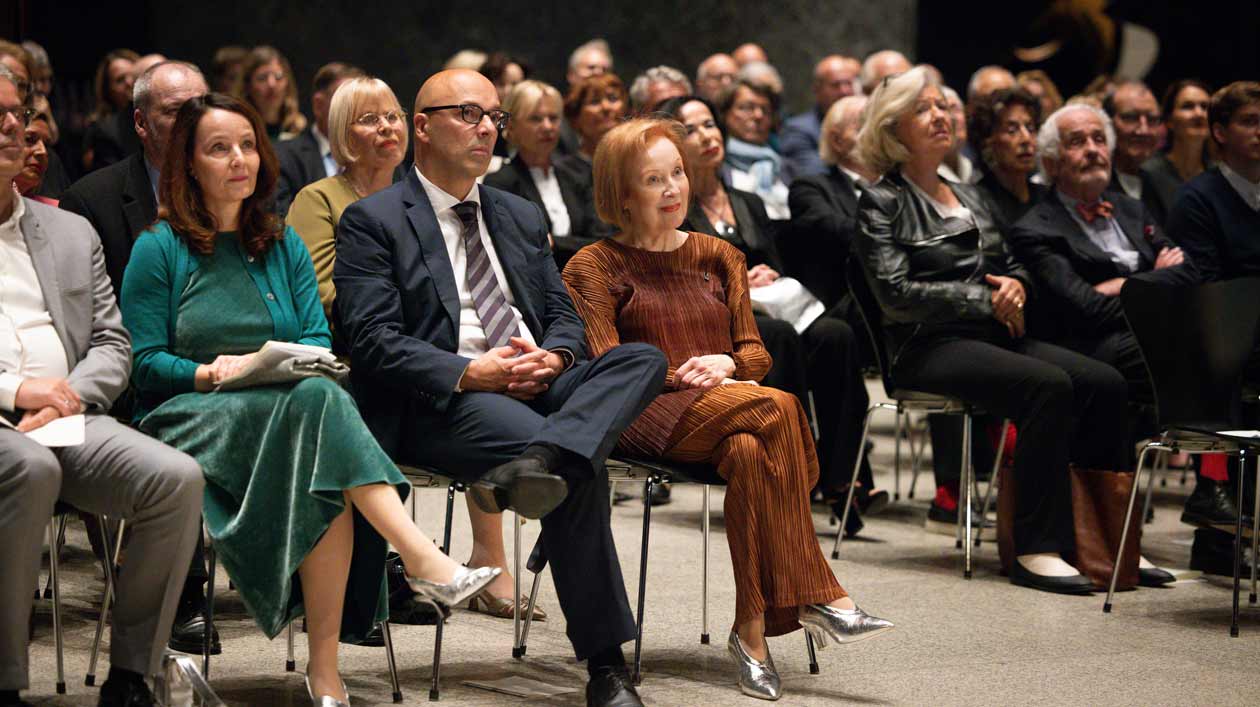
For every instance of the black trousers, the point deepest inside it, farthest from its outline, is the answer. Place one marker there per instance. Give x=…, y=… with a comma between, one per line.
x=824, y=359
x=1066, y=407
x=583, y=412
x=947, y=439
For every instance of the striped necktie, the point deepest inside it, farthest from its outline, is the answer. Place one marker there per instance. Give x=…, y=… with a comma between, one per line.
x=496, y=316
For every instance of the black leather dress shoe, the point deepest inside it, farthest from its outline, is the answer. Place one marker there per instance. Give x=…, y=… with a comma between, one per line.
x=189, y=632
x=1211, y=505
x=1076, y=584
x=871, y=503
x=125, y=693
x=611, y=686
x=854, y=523
x=1213, y=553
x=374, y=639
x=13, y=701
x=1154, y=577
x=523, y=484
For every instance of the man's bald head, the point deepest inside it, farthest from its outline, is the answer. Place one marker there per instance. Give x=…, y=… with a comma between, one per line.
x=880, y=64
x=449, y=150
x=835, y=77
x=749, y=52
x=447, y=87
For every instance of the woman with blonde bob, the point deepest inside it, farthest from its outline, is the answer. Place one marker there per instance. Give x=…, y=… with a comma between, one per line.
x=953, y=299
x=629, y=288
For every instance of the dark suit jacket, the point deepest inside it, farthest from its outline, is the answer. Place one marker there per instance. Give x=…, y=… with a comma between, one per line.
x=1067, y=265
x=820, y=238
x=113, y=139
x=1150, y=194
x=300, y=164
x=798, y=143
x=1160, y=182
x=398, y=306
x=118, y=201
x=584, y=226
x=754, y=233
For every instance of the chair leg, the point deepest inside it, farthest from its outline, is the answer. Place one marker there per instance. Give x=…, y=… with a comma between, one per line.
x=61, y=542
x=529, y=614
x=111, y=564
x=1161, y=466
x=916, y=461
x=704, y=571
x=55, y=579
x=857, y=465
x=435, y=687
x=212, y=567
x=964, y=508
x=1255, y=532
x=1238, y=542
x=993, y=476
x=900, y=426
x=290, y=663
x=643, y=565
x=1128, y=516
x=813, y=655
x=516, y=584
x=393, y=664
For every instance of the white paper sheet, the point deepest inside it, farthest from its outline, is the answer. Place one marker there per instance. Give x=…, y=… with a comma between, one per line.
x=62, y=432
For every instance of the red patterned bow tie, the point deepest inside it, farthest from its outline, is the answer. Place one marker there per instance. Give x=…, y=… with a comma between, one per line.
x=1089, y=212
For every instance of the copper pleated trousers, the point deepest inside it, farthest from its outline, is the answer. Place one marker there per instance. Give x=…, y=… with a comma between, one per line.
x=759, y=440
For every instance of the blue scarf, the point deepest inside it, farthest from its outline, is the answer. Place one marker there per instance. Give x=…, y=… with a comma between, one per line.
x=759, y=161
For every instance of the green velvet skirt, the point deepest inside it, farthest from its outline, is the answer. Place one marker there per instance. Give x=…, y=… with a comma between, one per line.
x=276, y=460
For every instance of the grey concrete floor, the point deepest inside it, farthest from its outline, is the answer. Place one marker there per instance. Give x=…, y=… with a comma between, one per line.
x=974, y=642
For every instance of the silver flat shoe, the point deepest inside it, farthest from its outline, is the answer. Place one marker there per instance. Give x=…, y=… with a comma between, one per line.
x=840, y=625
x=465, y=583
x=756, y=679
x=326, y=700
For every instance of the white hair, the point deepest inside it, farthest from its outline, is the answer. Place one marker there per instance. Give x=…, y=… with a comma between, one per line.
x=761, y=74
x=1049, y=140
x=846, y=110
x=140, y=92
x=973, y=86
x=656, y=74
x=600, y=45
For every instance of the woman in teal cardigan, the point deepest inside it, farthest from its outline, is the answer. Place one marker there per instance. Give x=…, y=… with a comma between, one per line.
x=205, y=288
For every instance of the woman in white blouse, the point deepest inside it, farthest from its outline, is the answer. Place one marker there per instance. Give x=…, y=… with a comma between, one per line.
x=565, y=199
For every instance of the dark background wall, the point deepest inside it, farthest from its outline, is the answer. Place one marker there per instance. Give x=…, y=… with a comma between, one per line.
x=403, y=42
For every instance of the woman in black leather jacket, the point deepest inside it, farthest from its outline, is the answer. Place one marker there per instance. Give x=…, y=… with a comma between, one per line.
x=952, y=301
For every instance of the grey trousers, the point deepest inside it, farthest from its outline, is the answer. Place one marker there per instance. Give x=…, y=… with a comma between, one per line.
x=124, y=474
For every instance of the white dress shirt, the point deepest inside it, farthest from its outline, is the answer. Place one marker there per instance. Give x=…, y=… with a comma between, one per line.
x=1107, y=235
x=325, y=152
x=1249, y=191
x=29, y=345
x=472, y=336
x=553, y=200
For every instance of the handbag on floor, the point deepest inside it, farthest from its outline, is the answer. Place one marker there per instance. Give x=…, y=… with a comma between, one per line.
x=1099, y=499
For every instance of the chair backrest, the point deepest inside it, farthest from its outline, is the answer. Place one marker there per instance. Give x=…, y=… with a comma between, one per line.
x=1196, y=340
x=872, y=318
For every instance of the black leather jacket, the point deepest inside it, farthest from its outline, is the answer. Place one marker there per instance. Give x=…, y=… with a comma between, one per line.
x=927, y=272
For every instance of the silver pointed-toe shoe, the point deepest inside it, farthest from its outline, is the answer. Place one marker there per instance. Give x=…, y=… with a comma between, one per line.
x=465, y=583
x=756, y=678
x=326, y=700
x=840, y=625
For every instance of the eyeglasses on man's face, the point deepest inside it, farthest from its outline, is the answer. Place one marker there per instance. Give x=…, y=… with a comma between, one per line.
x=21, y=114
x=472, y=114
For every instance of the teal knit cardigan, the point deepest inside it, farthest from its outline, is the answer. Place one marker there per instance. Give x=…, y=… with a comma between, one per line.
x=155, y=279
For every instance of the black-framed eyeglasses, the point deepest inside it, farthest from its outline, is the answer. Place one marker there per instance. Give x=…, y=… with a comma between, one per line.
x=22, y=114
x=472, y=114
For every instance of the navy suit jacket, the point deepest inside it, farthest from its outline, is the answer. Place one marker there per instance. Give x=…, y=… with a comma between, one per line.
x=1067, y=265
x=398, y=306
x=798, y=143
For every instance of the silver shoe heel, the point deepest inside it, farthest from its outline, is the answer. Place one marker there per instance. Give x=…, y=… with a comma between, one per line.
x=465, y=583
x=326, y=700
x=756, y=678
x=841, y=625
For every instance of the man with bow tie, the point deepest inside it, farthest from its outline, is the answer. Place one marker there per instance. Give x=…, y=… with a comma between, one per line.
x=1083, y=241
